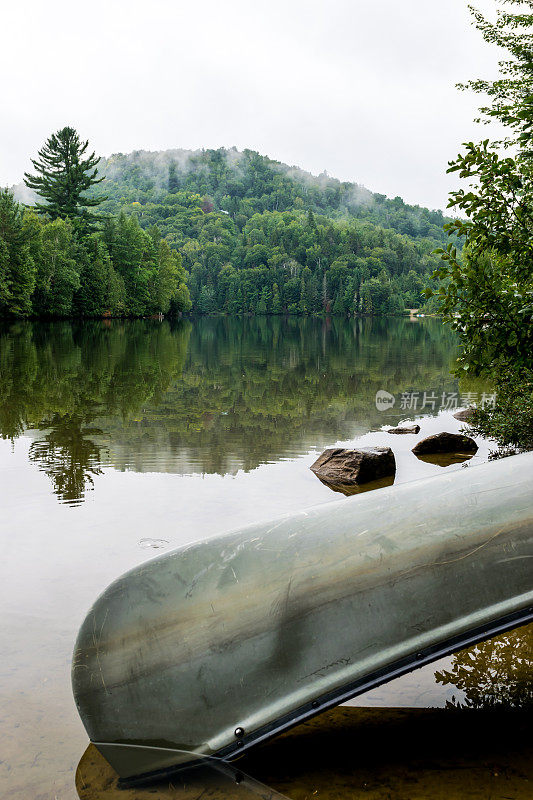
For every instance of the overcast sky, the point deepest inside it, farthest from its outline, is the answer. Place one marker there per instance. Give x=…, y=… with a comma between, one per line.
x=361, y=88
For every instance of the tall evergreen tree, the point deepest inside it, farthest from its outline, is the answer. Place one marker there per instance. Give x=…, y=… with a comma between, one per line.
x=64, y=174
x=276, y=300
x=173, y=180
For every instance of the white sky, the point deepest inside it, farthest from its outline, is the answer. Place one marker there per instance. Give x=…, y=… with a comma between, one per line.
x=361, y=88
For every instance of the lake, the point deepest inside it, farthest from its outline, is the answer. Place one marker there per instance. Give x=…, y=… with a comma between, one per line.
x=123, y=439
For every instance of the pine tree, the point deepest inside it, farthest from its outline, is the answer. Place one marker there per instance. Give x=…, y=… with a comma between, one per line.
x=64, y=175
x=173, y=180
x=265, y=301
x=367, y=306
x=338, y=305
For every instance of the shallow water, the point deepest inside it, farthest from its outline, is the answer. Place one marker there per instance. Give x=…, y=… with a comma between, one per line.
x=121, y=440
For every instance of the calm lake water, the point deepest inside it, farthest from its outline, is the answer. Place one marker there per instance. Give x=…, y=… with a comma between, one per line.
x=122, y=439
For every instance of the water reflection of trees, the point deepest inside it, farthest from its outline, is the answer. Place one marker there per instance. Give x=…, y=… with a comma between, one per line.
x=60, y=378
x=255, y=390
x=68, y=455
x=494, y=674
x=211, y=396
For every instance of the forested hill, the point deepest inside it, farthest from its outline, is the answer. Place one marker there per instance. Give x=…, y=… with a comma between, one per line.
x=253, y=236
x=246, y=183
x=259, y=236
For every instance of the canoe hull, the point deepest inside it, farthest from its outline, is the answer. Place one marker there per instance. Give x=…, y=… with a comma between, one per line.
x=213, y=647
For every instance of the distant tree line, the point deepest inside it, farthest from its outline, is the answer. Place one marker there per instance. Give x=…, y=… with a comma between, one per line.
x=216, y=232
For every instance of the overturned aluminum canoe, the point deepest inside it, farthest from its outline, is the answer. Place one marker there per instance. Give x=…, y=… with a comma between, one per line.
x=216, y=646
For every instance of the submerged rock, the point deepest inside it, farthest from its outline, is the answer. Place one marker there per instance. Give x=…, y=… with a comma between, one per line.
x=465, y=415
x=405, y=429
x=339, y=467
x=445, y=443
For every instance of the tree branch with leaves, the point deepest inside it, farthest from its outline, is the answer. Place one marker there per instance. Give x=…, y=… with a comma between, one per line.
x=486, y=293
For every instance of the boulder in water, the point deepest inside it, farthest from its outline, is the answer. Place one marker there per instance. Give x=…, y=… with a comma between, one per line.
x=340, y=467
x=405, y=429
x=445, y=443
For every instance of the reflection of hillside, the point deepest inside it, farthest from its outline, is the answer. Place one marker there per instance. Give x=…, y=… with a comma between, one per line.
x=215, y=396
x=261, y=389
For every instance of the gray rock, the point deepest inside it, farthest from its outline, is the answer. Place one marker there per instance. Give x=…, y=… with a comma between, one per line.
x=405, y=429
x=445, y=443
x=465, y=415
x=341, y=467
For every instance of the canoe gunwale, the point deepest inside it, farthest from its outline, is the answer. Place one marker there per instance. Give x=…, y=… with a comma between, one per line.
x=341, y=695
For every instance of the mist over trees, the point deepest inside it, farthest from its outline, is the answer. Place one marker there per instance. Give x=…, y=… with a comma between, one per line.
x=217, y=231
x=257, y=236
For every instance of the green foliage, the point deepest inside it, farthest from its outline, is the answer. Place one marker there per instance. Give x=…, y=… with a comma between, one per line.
x=50, y=270
x=63, y=176
x=169, y=280
x=57, y=277
x=275, y=225
x=101, y=291
x=227, y=232
x=17, y=268
x=510, y=422
x=232, y=268
x=245, y=183
x=487, y=294
x=490, y=303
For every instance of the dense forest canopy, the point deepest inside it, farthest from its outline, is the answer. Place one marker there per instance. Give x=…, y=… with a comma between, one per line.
x=220, y=231
x=245, y=183
x=258, y=236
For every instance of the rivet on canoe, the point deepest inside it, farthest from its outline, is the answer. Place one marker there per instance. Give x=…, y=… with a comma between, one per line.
x=239, y=732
